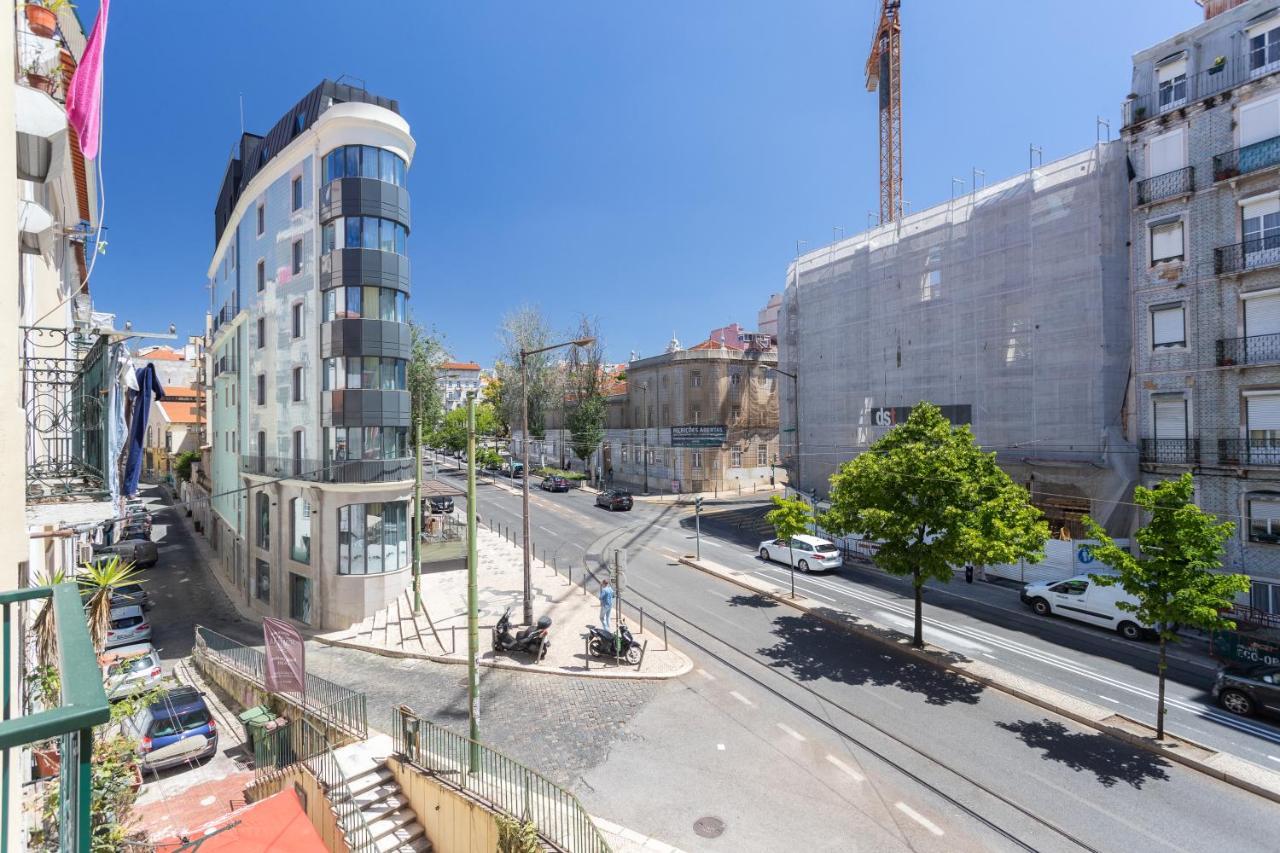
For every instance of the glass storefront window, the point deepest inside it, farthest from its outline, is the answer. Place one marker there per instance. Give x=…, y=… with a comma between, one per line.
x=372, y=538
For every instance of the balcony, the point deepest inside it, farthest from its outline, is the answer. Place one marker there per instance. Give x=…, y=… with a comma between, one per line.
x=1169, y=185
x=1257, y=253
x=1250, y=158
x=1170, y=451
x=1205, y=84
x=83, y=705
x=1256, y=349
x=1249, y=451
x=319, y=471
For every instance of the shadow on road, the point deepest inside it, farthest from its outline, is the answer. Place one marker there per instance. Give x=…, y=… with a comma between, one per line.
x=760, y=602
x=1108, y=759
x=810, y=650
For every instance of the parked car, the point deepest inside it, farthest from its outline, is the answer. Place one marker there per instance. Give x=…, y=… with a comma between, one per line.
x=1248, y=690
x=554, y=483
x=141, y=552
x=1085, y=600
x=612, y=499
x=514, y=470
x=128, y=625
x=124, y=595
x=440, y=504
x=129, y=669
x=176, y=729
x=132, y=530
x=809, y=552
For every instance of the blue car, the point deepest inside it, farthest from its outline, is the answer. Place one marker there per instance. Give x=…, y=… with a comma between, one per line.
x=176, y=729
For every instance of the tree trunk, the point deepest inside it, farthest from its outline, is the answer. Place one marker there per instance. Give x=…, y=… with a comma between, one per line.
x=918, y=640
x=1160, y=668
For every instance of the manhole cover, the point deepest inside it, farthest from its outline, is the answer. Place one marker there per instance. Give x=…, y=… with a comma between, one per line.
x=708, y=827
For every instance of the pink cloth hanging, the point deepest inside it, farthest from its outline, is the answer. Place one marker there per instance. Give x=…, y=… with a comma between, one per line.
x=84, y=95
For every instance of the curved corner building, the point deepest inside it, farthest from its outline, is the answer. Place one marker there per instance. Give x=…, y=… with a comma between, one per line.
x=312, y=475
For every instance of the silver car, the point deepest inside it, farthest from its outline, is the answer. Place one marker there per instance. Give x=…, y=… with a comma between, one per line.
x=127, y=670
x=128, y=626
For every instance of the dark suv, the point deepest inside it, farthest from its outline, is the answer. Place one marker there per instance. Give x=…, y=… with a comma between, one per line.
x=1248, y=690
x=555, y=483
x=612, y=499
x=181, y=715
x=441, y=504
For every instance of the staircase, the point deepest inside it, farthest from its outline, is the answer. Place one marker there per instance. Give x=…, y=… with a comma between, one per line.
x=386, y=812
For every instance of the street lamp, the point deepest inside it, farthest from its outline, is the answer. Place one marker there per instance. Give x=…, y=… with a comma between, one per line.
x=644, y=386
x=795, y=403
x=524, y=462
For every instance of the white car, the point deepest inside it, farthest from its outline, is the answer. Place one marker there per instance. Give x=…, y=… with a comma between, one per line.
x=127, y=670
x=128, y=626
x=1083, y=599
x=809, y=552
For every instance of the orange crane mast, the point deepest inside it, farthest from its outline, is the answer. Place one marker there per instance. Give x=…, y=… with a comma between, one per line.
x=884, y=73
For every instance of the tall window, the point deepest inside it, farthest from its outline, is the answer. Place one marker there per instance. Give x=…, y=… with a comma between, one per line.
x=262, y=389
x=372, y=538
x=262, y=512
x=297, y=382
x=695, y=379
x=1168, y=327
x=1166, y=242
x=299, y=447
x=262, y=581
x=1264, y=48
x=262, y=332
x=352, y=161
x=695, y=459
x=1171, y=79
x=762, y=455
x=300, y=530
x=1264, y=517
x=262, y=218
x=297, y=193
x=300, y=598
x=1260, y=226
x=295, y=315
x=262, y=276
x=736, y=458
x=297, y=257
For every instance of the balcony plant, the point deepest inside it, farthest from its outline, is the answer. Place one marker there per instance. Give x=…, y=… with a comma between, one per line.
x=38, y=78
x=42, y=17
x=1219, y=63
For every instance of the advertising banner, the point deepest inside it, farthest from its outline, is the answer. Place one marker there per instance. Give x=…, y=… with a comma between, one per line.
x=699, y=435
x=286, y=669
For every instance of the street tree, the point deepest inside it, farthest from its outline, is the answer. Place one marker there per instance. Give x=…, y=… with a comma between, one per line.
x=452, y=433
x=790, y=517
x=426, y=398
x=494, y=392
x=1173, y=582
x=933, y=499
x=526, y=329
x=584, y=390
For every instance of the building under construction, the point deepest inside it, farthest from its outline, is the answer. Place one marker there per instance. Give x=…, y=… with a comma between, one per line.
x=1007, y=306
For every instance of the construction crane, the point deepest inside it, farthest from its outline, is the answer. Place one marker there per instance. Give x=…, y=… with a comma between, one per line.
x=884, y=72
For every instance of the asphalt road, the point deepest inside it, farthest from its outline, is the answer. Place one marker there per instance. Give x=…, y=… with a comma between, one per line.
x=971, y=763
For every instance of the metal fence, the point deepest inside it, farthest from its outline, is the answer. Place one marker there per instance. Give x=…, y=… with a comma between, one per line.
x=503, y=783
x=1255, y=349
x=1246, y=159
x=1249, y=451
x=1170, y=184
x=1252, y=254
x=335, y=705
x=1170, y=451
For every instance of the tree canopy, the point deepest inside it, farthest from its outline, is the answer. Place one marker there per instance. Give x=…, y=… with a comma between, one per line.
x=427, y=399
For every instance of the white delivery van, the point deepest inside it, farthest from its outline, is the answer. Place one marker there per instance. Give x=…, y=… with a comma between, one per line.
x=1084, y=600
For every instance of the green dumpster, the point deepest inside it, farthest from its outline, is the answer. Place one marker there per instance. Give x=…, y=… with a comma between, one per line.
x=255, y=724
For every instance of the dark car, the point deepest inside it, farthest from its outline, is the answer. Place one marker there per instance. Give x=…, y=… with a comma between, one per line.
x=1248, y=690
x=141, y=552
x=612, y=499
x=555, y=484
x=440, y=504
x=177, y=729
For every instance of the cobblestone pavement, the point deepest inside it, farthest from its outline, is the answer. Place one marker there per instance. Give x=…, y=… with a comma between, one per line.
x=557, y=725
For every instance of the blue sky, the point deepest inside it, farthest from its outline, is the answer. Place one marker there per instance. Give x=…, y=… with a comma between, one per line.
x=651, y=164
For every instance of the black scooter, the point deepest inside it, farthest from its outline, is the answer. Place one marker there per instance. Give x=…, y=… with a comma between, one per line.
x=533, y=639
x=606, y=644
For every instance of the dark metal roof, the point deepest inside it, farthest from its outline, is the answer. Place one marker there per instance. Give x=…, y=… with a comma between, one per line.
x=254, y=151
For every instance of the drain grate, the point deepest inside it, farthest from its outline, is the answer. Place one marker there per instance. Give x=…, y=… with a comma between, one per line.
x=709, y=827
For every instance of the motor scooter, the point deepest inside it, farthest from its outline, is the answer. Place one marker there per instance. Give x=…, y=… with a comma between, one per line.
x=606, y=644
x=533, y=639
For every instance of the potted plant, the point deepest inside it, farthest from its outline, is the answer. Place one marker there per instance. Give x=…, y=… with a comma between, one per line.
x=38, y=78
x=1219, y=63
x=42, y=17
x=1140, y=112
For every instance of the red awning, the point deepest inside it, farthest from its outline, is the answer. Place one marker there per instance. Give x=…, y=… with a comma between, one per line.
x=277, y=824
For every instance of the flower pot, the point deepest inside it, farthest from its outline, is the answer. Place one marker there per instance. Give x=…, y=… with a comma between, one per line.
x=48, y=762
x=137, y=778
x=1214, y=69
x=43, y=22
x=41, y=82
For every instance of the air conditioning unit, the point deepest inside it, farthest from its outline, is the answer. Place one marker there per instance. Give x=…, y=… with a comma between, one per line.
x=84, y=553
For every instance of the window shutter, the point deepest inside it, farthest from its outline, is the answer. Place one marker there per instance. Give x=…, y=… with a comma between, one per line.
x=1260, y=208
x=1261, y=508
x=1264, y=412
x=1167, y=327
x=1166, y=241
x=1165, y=153
x=1259, y=121
x=1262, y=315
x=1260, y=27
x=1170, y=70
x=1171, y=419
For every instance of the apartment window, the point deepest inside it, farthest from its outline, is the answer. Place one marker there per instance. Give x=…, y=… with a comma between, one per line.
x=697, y=416
x=231, y=257
x=1260, y=227
x=299, y=448
x=1264, y=47
x=297, y=193
x=762, y=455
x=1166, y=153
x=297, y=384
x=1171, y=79
x=1168, y=326
x=930, y=283
x=666, y=416
x=300, y=598
x=1264, y=596
x=262, y=389
x=1166, y=242
x=262, y=219
x=648, y=457
x=1170, y=417
x=262, y=581
x=372, y=538
x=342, y=444
x=624, y=453
x=1264, y=517
x=300, y=530
x=371, y=303
x=695, y=457
x=262, y=512
x=352, y=161
x=735, y=379
x=297, y=257
x=262, y=449
x=262, y=276
x=262, y=332
x=295, y=318
x=1263, y=422
x=365, y=372
x=369, y=232
x=736, y=458
x=695, y=379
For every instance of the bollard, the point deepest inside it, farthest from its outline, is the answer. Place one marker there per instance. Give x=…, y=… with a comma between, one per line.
x=555, y=565
x=664, y=635
x=453, y=639
x=586, y=652
x=644, y=647
x=641, y=620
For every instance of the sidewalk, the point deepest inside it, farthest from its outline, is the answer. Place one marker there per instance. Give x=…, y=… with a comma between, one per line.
x=440, y=633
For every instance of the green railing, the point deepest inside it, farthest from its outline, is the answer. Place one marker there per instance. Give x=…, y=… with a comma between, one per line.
x=503, y=783
x=84, y=705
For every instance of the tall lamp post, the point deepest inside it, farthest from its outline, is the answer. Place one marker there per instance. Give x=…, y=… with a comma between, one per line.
x=644, y=386
x=524, y=462
x=795, y=404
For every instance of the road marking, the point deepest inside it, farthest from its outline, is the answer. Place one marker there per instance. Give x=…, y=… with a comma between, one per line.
x=712, y=544
x=720, y=747
x=708, y=676
x=919, y=818
x=808, y=592
x=1273, y=758
x=743, y=699
x=988, y=655
x=548, y=530
x=854, y=774
x=1108, y=699
x=795, y=734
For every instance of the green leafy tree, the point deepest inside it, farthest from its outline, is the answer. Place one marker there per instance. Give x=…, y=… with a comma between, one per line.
x=427, y=400
x=933, y=499
x=182, y=464
x=584, y=391
x=494, y=393
x=1173, y=583
x=790, y=517
x=452, y=434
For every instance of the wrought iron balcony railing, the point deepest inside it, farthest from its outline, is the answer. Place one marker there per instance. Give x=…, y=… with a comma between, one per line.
x=320, y=471
x=1170, y=451
x=1246, y=159
x=1204, y=84
x=1255, y=349
x=1249, y=255
x=1168, y=185
x=1249, y=451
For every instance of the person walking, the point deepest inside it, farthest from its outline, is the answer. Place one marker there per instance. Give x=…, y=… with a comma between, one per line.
x=606, y=604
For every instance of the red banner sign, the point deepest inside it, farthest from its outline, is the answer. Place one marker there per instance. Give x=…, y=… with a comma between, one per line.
x=286, y=667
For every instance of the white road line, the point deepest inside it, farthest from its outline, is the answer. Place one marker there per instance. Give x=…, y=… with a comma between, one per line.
x=919, y=818
x=712, y=544
x=795, y=734
x=809, y=592
x=854, y=774
x=548, y=530
x=1273, y=758
x=720, y=747
x=743, y=699
x=988, y=655
x=1109, y=699
x=708, y=676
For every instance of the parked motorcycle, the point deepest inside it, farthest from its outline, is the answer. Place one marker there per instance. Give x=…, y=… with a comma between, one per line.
x=533, y=639
x=606, y=644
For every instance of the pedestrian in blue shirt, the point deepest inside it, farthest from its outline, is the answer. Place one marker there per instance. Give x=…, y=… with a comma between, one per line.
x=606, y=604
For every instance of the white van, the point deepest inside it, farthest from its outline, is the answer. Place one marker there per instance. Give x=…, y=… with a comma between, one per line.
x=1082, y=599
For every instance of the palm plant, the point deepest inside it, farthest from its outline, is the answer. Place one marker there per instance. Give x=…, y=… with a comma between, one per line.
x=45, y=630
x=100, y=580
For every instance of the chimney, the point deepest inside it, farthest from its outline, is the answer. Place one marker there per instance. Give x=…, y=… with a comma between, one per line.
x=1217, y=7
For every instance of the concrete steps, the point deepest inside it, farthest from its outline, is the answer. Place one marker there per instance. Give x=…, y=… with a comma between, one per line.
x=383, y=808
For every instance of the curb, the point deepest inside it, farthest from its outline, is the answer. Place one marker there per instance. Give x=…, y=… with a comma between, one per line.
x=1219, y=765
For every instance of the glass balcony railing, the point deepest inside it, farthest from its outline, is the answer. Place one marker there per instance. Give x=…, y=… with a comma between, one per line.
x=319, y=471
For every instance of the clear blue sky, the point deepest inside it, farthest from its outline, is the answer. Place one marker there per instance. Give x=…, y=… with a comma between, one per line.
x=652, y=164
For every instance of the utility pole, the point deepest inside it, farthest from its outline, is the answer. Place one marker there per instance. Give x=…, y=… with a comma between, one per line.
x=473, y=627
x=697, y=526
x=417, y=520
x=645, y=388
